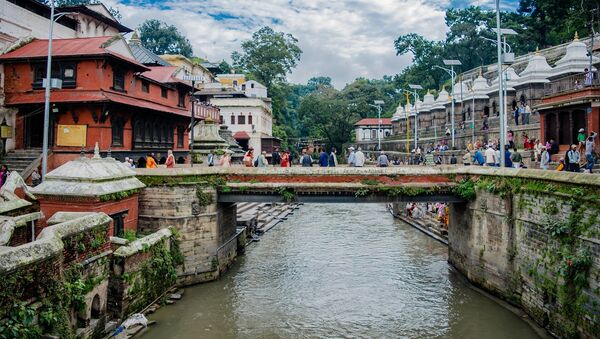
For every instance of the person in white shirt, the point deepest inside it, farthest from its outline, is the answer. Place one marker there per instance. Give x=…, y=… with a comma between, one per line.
x=490, y=156
x=359, y=158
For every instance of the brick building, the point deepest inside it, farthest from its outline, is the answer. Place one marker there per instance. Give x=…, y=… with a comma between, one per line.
x=106, y=97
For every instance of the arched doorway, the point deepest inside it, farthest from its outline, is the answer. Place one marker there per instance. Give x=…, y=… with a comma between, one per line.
x=96, y=308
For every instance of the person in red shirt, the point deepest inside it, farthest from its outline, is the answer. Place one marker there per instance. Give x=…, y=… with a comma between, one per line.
x=285, y=159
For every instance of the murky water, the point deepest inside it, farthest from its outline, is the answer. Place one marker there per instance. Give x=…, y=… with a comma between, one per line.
x=340, y=271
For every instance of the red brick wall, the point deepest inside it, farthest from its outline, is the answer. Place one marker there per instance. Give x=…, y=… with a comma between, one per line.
x=51, y=206
x=21, y=235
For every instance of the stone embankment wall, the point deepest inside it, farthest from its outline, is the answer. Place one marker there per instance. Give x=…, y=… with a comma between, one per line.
x=207, y=228
x=142, y=271
x=536, y=243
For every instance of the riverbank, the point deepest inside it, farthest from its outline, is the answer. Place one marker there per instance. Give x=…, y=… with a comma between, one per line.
x=426, y=224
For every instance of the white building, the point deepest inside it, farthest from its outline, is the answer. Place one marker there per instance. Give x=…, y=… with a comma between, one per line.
x=366, y=129
x=23, y=20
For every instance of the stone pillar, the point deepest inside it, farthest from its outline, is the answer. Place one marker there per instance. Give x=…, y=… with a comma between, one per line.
x=207, y=230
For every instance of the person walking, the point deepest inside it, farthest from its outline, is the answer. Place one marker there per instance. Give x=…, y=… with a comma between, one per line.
x=285, y=159
x=305, y=160
x=210, y=158
x=382, y=160
x=170, y=163
x=150, y=162
x=516, y=114
x=351, y=157
x=573, y=159
x=589, y=152
x=510, y=138
x=507, y=157
x=453, y=159
x=323, y=158
x=332, y=161
x=544, y=159
x=275, y=157
x=359, y=158
x=261, y=160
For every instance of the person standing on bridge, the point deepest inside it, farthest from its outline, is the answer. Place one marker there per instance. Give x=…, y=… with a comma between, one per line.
x=544, y=159
x=275, y=157
x=150, y=162
x=467, y=157
x=170, y=163
x=261, y=160
x=332, y=161
x=285, y=159
x=305, y=160
x=382, y=160
x=359, y=158
x=351, y=157
x=323, y=158
x=490, y=156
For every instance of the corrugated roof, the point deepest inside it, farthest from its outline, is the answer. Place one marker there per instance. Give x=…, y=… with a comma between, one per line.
x=146, y=56
x=373, y=121
x=73, y=47
x=162, y=74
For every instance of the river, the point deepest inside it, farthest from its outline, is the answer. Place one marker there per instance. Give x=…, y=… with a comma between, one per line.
x=339, y=270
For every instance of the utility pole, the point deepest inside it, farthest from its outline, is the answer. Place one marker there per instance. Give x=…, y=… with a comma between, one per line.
x=193, y=79
x=500, y=86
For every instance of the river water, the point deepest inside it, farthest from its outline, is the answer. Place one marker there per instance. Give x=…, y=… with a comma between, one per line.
x=341, y=271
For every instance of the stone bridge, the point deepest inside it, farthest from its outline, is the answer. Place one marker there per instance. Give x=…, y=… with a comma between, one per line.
x=531, y=237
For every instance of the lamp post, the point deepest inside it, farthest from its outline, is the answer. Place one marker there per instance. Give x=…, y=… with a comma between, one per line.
x=450, y=71
x=193, y=79
x=473, y=113
x=416, y=97
x=47, y=85
x=378, y=103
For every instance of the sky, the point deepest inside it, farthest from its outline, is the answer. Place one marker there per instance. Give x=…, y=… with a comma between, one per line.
x=342, y=39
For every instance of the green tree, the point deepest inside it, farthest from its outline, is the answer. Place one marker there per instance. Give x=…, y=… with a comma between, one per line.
x=268, y=57
x=225, y=67
x=326, y=114
x=161, y=38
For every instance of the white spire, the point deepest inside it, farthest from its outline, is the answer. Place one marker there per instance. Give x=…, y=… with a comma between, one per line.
x=575, y=60
x=537, y=70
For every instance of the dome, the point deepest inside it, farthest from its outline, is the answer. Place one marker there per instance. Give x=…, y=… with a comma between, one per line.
x=575, y=60
x=443, y=97
x=428, y=102
x=512, y=79
x=537, y=70
x=479, y=88
x=460, y=90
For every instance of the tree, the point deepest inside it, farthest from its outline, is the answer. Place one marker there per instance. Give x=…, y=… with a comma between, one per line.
x=161, y=38
x=326, y=114
x=268, y=57
x=225, y=67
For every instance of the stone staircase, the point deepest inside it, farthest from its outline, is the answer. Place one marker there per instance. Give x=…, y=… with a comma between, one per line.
x=20, y=159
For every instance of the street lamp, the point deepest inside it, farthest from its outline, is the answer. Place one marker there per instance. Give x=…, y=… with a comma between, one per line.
x=452, y=73
x=378, y=103
x=416, y=97
x=48, y=85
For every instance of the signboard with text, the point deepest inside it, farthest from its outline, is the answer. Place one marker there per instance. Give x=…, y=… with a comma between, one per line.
x=71, y=135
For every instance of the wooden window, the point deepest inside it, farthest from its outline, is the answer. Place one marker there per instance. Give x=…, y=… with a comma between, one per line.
x=221, y=119
x=145, y=86
x=233, y=119
x=117, y=132
x=118, y=79
x=180, y=136
x=241, y=119
x=181, y=102
x=249, y=120
x=65, y=71
x=164, y=92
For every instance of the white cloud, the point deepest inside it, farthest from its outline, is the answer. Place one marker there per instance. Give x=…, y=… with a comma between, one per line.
x=340, y=39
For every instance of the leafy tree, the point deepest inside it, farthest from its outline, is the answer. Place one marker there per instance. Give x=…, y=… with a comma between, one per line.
x=269, y=56
x=161, y=38
x=225, y=67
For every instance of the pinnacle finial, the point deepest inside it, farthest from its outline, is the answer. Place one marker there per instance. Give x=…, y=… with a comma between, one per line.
x=96, y=151
x=480, y=72
x=576, y=36
x=135, y=39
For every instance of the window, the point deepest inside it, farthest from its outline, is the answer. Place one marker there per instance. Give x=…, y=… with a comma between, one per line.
x=164, y=93
x=65, y=71
x=117, y=132
x=252, y=85
x=118, y=79
x=181, y=102
x=145, y=86
x=119, y=223
x=221, y=119
x=180, y=134
x=235, y=83
x=233, y=119
x=249, y=120
x=241, y=119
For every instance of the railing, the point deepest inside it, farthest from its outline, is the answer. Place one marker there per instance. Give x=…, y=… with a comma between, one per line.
x=571, y=83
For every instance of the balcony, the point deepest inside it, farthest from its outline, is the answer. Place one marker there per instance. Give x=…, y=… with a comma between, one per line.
x=570, y=83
